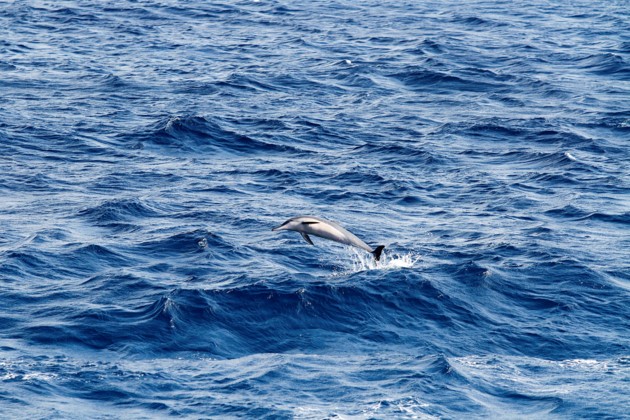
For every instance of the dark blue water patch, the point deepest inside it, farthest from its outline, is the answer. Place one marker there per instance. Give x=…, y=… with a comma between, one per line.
x=108, y=82
x=111, y=283
x=24, y=261
x=622, y=218
x=290, y=83
x=34, y=183
x=475, y=21
x=355, y=176
x=356, y=78
x=7, y=66
x=471, y=273
x=185, y=243
x=570, y=212
x=554, y=180
x=55, y=146
x=238, y=84
x=228, y=319
x=95, y=253
x=115, y=211
x=560, y=137
x=259, y=124
x=283, y=178
x=199, y=135
x=114, y=181
x=398, y=153
x=487, y=75
x=606, y=65
x=502, y=130
x=422, y=79
x=615, y=122
x=197, y=88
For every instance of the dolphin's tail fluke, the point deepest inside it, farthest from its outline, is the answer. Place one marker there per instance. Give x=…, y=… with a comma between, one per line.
x=377, y=252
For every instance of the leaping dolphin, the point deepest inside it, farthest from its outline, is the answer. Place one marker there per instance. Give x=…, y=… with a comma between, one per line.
x=310, y=225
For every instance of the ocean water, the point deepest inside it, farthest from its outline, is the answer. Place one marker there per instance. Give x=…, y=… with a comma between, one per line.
x=148, y=148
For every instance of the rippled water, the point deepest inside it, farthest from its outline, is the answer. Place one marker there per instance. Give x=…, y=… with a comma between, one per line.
x=148, y=148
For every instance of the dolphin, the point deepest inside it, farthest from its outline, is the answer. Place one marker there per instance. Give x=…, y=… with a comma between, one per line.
x=310, y=225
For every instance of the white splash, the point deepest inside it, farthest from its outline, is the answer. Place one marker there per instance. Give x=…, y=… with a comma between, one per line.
x=362, y=261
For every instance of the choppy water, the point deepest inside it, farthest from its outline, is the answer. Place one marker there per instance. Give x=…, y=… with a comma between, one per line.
x=148, y=148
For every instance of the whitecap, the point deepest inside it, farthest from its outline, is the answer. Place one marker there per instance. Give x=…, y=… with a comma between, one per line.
x=570, y=156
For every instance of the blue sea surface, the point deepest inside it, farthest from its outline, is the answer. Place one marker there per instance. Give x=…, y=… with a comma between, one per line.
x=147, y=148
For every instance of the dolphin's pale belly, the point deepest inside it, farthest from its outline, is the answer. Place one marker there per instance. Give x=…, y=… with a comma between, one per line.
x=337, y=234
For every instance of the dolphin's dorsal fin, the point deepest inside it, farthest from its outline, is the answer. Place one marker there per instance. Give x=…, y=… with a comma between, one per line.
x=307, y=238
x=310, y=223
x=377, y=252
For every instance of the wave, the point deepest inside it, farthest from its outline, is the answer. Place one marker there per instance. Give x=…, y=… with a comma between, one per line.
x=180, y=244
x=195, y=134
x=607, y=64
x=381, y=307
x=477, y=21
x=118, y=210
x=578, y=214
x=436, y=81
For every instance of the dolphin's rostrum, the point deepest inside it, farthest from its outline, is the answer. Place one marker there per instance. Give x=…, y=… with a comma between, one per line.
x=310, y=225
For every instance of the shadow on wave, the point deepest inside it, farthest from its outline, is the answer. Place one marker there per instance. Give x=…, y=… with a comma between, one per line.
x=605, y=64
x=420, y=79
x=118, y=210
x=196, y=134
x=571, y=212
x=239, y=321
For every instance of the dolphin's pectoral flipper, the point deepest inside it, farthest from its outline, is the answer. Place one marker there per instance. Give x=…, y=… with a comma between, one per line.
x=377, y=252
x=307, y=238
